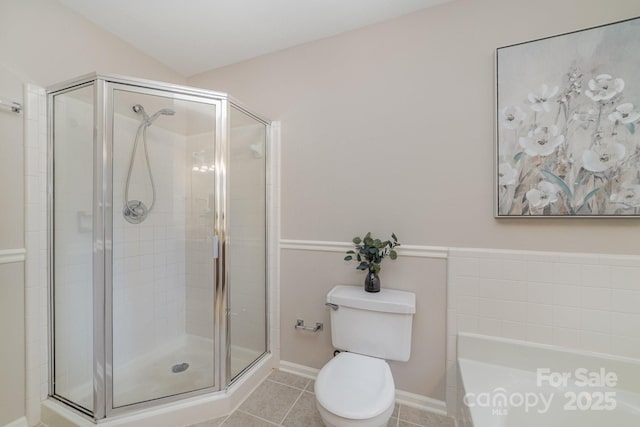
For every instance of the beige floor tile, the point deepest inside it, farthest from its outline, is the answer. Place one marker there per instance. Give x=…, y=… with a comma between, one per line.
x=304, y=413
x=396, y=408
x=423, y=418
x=393, y=422
x=210, y=423
x=310, y=386
x=289, y=379
x=271, y=401
x=242, y=419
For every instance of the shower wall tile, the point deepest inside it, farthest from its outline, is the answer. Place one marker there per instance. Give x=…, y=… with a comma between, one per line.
x=149, y=281
x=582, y=301
x=199, y=240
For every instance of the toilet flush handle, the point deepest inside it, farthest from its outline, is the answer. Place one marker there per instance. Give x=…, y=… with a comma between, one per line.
x=333, y=306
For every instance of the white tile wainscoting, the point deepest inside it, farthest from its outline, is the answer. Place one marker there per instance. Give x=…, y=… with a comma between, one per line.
x=589, y=302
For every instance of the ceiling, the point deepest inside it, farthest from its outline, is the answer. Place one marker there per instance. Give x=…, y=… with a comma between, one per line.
x=193, y=36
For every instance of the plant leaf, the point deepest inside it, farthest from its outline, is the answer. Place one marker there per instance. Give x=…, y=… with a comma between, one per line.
x=393, y=255
x=393, y=236
x=555, y=178
x=590, y=195
x=350, y=252
x=518, y=155
x=356, y=240
x=348, y=258
x=376, y=268
x=632, y=128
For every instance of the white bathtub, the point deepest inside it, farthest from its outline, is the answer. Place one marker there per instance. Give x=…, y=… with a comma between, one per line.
x=506, y=383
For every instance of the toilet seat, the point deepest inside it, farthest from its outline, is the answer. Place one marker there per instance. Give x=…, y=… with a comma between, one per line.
x=355, y=386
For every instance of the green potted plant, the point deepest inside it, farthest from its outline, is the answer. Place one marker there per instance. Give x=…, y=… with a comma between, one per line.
x=369, y=253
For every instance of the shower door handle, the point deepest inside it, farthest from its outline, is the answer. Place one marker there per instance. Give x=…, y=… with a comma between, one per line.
x=215, y=246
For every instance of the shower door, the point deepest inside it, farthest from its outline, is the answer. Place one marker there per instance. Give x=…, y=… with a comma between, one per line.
x=164, y=250
x=71, y=221
x=246, y=174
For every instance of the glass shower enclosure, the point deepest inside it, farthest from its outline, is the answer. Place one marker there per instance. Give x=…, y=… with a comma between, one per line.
x=157, y=242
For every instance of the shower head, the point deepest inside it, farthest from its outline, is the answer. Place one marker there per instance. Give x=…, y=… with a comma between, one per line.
x=149, y=120
x=163, y=112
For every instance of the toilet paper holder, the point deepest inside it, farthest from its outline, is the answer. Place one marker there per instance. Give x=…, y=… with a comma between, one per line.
x=300, y=325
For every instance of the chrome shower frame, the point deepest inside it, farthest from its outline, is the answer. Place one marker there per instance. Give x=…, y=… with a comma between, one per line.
x=103, y=211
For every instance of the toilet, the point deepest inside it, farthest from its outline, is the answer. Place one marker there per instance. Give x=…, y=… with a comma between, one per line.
x=356, y=388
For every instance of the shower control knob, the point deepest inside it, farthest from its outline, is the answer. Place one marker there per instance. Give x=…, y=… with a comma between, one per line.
x=135, y=211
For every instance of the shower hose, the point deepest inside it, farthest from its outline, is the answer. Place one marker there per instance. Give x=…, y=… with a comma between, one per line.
x=134, y=210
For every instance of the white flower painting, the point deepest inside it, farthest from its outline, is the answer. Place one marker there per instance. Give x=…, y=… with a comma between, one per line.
x=568, y=111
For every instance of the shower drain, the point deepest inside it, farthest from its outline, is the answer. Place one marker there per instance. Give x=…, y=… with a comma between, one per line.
x=179, y=367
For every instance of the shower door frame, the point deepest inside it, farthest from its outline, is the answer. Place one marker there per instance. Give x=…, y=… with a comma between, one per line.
x=104, y=87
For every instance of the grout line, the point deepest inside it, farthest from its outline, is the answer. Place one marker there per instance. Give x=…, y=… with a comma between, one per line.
x=289, y=385
x=291, y=408
x=255, y=416
x=225, y=419
x=444, y=417
x=410, y=423
x=398, y=418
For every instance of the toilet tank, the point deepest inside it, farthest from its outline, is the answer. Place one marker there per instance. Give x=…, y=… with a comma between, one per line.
x=374, y=324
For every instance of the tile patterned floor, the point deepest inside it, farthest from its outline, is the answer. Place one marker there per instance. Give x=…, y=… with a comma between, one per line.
x=287, y=400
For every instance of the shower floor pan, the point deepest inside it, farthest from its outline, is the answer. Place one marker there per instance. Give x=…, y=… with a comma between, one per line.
x=152, y=376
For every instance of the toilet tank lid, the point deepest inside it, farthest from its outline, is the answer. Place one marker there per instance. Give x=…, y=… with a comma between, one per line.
x=387, y=300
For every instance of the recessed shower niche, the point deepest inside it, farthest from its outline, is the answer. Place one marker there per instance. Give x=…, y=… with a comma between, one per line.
x=157, y=242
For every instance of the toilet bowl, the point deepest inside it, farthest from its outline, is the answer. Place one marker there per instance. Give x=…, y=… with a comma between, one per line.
x=353, y=390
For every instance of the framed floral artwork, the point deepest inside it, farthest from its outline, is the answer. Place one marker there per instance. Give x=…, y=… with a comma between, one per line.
x=568, y=125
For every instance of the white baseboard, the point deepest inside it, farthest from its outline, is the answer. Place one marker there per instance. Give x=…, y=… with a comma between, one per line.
x=20, y=422
x=301, y=370
x=421, y=402
x=403, y=397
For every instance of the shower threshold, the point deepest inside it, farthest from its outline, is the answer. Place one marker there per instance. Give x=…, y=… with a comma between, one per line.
x=178, y=413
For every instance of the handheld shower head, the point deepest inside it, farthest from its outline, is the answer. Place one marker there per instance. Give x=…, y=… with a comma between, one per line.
x=162, y=112
x=139, y=109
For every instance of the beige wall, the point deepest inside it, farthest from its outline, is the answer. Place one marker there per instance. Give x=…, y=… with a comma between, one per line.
x=400, y=115
x=12, y=345
x=43, y=43
x=390, y=128
x=12, y=374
